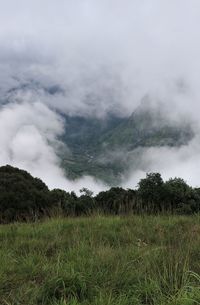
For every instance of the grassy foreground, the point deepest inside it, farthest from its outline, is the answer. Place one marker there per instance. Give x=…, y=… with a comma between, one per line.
x=101, y=261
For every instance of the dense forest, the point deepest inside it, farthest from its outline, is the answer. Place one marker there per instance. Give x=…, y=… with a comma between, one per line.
x=24, y=198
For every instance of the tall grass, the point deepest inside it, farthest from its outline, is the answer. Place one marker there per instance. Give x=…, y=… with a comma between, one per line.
x=101, y=261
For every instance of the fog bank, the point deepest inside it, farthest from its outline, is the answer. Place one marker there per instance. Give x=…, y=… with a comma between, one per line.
x=92, y=58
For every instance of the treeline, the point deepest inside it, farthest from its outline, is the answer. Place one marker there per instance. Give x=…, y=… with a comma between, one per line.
x=24, y=198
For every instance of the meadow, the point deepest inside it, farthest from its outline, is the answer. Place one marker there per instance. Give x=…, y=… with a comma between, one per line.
x=101, y=260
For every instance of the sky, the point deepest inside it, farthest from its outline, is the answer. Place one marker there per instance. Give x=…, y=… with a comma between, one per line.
x=115, y=53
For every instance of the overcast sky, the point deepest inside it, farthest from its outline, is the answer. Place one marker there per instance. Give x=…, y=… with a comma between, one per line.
x=113, y=51
x=124, y=49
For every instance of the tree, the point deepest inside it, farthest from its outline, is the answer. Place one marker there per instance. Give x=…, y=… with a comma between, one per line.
x=115, y=200
x=177, y=194
x=21, y=196
x=66, y=201
x=150, y=191
x=86, y=192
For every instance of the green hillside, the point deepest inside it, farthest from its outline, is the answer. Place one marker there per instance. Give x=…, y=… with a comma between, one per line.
x=91, y=142
x=147, y=128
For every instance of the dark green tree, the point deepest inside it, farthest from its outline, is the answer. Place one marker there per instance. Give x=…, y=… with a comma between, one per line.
x=178, y=195
x=150, y=193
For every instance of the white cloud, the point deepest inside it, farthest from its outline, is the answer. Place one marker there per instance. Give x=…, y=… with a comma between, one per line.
x=28, y=141
x=104, y=56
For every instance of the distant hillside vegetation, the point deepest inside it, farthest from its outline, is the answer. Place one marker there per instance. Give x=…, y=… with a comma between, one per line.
x=104, y=148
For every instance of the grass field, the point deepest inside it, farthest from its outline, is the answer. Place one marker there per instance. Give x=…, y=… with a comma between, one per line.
x=101, y=261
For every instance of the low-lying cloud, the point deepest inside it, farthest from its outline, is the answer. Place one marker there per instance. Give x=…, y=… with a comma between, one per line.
x=92, y=58
x=171, y=162
x=29, y=141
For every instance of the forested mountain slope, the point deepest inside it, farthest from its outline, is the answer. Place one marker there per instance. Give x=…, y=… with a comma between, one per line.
x=98, y=146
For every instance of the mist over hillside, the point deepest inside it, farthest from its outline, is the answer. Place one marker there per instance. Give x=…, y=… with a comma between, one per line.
x=97, y=93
